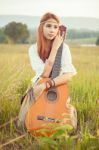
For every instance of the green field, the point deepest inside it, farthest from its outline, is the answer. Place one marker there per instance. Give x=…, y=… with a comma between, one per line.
x=82, y=41
x=15, y=76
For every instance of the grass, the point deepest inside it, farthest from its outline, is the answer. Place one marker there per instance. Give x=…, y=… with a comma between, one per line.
x=15, y=76
x=82, y=41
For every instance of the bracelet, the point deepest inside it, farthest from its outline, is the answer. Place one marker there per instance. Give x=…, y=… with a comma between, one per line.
x=53, y=83
x=50, y=83
x=47, y=85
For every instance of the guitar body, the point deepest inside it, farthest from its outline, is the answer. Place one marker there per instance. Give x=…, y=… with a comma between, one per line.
x=48, y=108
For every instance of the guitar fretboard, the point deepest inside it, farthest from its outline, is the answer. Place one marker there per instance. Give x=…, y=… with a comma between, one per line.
x=57, y=64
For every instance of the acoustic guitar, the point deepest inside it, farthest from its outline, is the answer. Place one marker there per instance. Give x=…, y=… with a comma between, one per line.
x=50, y=105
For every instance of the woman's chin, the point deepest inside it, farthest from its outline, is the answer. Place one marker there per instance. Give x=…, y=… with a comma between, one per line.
x=50, y=38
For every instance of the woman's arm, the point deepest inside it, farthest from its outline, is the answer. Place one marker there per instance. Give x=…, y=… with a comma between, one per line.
x=62, y=79
x=50, y=61
x=49, y=64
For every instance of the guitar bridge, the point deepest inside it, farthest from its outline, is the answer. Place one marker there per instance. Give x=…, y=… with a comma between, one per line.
x=48, y=119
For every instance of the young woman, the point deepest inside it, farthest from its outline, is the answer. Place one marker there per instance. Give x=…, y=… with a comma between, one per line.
x=42, y=56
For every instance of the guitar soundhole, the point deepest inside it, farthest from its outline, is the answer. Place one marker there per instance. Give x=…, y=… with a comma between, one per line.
x=52, y=95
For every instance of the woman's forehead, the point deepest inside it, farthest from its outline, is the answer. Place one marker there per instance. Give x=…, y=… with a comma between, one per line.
x=52, y=21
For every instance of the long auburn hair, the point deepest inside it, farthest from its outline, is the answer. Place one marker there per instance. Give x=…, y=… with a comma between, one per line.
x=41, y=41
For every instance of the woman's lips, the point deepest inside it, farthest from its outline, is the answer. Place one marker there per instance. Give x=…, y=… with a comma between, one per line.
x=51, y=35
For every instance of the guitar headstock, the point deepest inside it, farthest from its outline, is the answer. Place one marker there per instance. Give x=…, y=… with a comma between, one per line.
x=63, y=30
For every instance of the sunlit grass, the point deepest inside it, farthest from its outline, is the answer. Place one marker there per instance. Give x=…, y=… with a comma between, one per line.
x=15, y=76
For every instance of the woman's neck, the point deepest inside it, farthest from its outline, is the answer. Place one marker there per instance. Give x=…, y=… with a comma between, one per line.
x=49, y=44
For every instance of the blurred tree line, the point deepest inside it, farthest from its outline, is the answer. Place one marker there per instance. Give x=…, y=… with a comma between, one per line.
x=15, y=32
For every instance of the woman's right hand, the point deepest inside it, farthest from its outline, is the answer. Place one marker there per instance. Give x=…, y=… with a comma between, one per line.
x=57, y=42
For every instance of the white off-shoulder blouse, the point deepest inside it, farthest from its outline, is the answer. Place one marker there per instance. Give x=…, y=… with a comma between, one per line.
x=38, y=65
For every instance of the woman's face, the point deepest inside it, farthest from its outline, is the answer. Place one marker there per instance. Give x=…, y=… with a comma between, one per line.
x=50, y=29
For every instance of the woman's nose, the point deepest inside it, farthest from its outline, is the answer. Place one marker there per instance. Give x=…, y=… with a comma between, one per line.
x=52, y=30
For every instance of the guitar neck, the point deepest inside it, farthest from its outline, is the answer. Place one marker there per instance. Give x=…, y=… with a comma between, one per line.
x=57, y=64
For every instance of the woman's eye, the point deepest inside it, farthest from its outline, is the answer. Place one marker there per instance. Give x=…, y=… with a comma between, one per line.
x=55, y=27
x=48, y=25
